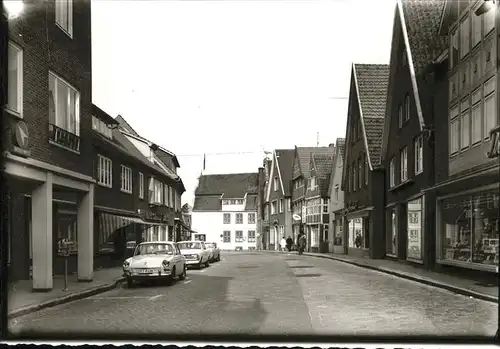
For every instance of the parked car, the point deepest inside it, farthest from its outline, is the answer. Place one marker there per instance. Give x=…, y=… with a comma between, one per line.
x=195, y=252
x=155, y=261
x=214, y=250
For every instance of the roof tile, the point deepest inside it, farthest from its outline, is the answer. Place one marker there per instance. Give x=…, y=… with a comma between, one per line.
x=207, y=203
x=422, y=19
x=304, y=155
x=324, y=164
x=285, y=163
x=232, y=185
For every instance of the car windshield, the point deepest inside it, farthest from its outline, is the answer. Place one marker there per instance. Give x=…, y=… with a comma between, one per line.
x=144, y=249
x=189, y=245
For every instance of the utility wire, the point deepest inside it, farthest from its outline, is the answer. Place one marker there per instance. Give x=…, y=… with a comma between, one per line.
x=226, y=153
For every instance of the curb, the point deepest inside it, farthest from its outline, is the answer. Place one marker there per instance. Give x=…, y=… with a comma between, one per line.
x=423, y=280
x=65, y=299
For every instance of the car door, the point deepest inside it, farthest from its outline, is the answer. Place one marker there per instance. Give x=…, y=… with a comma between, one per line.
x=180, y=258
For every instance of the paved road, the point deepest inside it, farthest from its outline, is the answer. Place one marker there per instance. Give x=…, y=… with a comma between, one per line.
x=266, y=293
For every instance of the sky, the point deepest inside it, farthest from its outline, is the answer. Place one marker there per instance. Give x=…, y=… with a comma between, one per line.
x=232, y=78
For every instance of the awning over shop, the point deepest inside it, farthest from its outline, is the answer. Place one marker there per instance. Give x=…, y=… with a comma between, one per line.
x=109, y=223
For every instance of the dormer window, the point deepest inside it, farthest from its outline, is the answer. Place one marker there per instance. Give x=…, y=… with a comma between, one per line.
x=100, y=126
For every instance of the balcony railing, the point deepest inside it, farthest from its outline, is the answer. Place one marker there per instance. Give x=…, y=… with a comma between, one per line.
x=64, y=138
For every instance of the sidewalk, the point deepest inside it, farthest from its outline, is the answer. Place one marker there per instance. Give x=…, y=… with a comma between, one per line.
x=22, y=300
x=452, y=283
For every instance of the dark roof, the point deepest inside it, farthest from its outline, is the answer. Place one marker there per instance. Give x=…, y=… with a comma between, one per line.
x=372, y=82
x=231, y=185
x=304, y=155
x=323, y=165
x=101, y=114
x=125, y=125
x=251, y=203
x=285, y=164
x=207, y=203
x=422, y=19
x=340, y=144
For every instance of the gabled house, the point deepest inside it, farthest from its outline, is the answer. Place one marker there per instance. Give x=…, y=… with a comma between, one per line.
x=300, y=184
x=336, y=194
x=317, y=200
x=467, y=218
x=362, y=173
x=279, y=195
x=267, y=230
x=163, y=190
x=418, y=57
x=225, y=210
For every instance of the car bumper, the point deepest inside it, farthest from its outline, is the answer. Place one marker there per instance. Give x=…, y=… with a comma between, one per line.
x=163, y=274
x=193, y=261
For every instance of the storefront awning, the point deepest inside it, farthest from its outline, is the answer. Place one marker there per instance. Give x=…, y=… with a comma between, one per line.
x=109, y=223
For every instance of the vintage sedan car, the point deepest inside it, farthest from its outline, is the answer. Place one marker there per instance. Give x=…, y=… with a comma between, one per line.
x=195, y=252
x=155, y=261
x=214, y=251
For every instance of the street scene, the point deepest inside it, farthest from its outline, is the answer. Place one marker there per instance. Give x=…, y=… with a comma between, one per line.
x=251, y=167
x=270, y=293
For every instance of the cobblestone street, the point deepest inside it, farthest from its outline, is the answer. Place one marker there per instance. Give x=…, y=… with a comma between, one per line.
x=263, y=293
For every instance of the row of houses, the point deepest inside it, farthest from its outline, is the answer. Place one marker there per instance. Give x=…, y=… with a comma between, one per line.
x=80, y=184
x=416, y=177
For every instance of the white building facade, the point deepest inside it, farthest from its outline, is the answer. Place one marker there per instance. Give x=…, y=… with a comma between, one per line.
x=231, y=222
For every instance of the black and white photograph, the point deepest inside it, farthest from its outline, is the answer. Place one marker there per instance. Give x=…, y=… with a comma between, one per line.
x=283, y=171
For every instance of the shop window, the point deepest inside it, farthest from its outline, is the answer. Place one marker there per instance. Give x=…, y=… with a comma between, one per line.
x=355, y=227
x=392, y=229
x=414, y=220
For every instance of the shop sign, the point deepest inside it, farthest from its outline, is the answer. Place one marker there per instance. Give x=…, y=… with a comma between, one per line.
x=21, y=139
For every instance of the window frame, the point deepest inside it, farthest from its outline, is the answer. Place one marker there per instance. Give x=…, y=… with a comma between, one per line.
x=251, y=237
x=274, y=207
x=57, y=119
x=418, y=146
x=253, y=220
x=238, y=218
x=465, y=119
x=275, y=183
x=407, y=109
x=477, y=103
x=360, y=173
x=141, y=185
x=280, y=206
x=487, y=96
x=400, y=115
x=403, y=165
x=240, y=238
x=126, y=179
x=224, y=220
x=20, y=83
x=464, y=47
x=226, y=238
x=454, y=118
x=104, y=177
x=392, y=172
x=69, y=14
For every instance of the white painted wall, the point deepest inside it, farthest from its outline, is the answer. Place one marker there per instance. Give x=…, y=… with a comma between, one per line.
x=212, y=224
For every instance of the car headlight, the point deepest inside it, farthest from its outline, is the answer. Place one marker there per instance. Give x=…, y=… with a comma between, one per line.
x=126, y=265
x=197, y=256
x=165, y=263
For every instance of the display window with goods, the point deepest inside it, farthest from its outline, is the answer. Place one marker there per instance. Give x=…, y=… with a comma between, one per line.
x=469, y=228
x=392, y=231
x=355, y=226
x=415, y=228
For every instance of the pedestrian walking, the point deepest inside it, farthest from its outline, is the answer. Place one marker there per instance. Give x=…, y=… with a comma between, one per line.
x=283, y=244
x=289, y=243
x=301, y=242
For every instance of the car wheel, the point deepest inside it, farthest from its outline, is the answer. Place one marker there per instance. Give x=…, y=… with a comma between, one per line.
x=170, y=279
x=218, y=258
x=130, y=283
x=184, y=272
x=207, y=263
x=199, y=265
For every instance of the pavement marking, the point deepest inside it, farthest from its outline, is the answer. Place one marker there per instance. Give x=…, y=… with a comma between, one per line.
x=155, y=297
x=187, y=282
